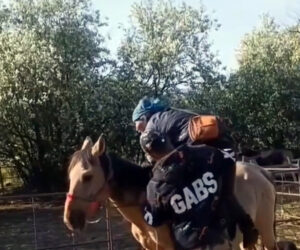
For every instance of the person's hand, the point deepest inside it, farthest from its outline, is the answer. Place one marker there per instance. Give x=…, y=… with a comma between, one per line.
x=150, y=159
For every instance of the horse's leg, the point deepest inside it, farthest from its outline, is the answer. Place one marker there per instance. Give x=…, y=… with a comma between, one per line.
x=162, y=237
x=265, y=224
x=139, y=228
x=152, y=238
x=142, y=237
x=246, y=197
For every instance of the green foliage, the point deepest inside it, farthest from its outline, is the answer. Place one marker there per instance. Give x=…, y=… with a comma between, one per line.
x=119, y=99
x=51, y=58
x=58, y=83
x=264, y=94
x=167, y=50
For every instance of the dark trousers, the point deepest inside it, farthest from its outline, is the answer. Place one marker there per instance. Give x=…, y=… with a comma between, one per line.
x=235, y=210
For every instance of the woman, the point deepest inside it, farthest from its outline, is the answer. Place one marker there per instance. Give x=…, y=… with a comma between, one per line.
x=180, y=126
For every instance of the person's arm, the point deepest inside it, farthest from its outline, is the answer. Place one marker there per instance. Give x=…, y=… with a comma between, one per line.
x=154, y=211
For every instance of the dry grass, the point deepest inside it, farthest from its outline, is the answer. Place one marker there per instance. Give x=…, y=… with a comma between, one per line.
x=288, y=221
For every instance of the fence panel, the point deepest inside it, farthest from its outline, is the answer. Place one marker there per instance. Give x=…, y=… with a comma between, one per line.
x=36, y=222
x=288, y=200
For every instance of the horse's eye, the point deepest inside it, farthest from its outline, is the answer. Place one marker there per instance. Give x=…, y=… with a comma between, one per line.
x=87, y=178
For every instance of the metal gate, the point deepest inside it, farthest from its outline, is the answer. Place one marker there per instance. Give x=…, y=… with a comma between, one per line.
x=288, y=200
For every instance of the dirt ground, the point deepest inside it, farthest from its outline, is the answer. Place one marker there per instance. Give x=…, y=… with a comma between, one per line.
x=288, y=221
x=40, y=227
x=25, y=228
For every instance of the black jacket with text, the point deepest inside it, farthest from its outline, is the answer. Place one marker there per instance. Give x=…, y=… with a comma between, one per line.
x=184, y=190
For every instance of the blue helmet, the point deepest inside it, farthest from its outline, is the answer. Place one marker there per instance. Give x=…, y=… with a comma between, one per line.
x=148, y=106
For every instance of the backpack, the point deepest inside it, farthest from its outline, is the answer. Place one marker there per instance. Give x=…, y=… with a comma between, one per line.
x=204, y=128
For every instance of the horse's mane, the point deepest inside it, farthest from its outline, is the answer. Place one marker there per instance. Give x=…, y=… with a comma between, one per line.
x=77, y=156
x=129, y=174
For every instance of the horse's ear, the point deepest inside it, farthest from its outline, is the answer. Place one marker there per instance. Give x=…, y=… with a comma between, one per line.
x=99, y=147
x=87, y=144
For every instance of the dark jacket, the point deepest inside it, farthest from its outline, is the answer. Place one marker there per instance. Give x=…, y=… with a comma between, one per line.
x=173, y=123
x=184, y=190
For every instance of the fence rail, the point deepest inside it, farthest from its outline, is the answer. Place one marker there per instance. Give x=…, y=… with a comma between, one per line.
x=35, y=221
x=287, y=183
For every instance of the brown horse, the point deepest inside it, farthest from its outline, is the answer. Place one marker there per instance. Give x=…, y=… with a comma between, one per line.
x=96, y=176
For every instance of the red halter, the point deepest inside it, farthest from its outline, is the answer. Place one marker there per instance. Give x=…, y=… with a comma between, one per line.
x=93, y=207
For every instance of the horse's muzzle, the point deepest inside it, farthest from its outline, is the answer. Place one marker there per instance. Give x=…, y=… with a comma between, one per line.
x=77, y=219
x=93, y=206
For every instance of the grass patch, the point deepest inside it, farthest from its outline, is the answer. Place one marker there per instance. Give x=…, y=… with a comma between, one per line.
x=288, y=221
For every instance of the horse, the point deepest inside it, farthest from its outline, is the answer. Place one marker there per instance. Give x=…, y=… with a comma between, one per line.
x=96, y=176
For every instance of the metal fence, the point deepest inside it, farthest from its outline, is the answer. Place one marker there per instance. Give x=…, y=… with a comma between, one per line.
x=287, y=179
x=35, y=222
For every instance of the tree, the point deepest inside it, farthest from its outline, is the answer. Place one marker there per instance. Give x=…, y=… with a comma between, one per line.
x=52, y=62
x=167, y=50
x=264, y=93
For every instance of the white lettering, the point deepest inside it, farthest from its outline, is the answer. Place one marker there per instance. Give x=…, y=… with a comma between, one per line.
x=148, y=218
x=228, y=153
x=209, y=181
x=200, y=190
x=190, y=198
x=177, y=204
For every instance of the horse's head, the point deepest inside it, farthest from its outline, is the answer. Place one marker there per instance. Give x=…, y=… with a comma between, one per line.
x=89, y=173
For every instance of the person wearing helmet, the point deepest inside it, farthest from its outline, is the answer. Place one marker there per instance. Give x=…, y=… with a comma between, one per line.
x=180, y=126
x=164, y=129
x=153, y=114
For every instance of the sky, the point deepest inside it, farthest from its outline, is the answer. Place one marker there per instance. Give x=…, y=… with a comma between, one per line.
x=237, y=18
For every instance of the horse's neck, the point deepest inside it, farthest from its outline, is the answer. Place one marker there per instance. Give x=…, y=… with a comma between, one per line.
x=129, y=181
x=132, y=214
x=127, y=189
